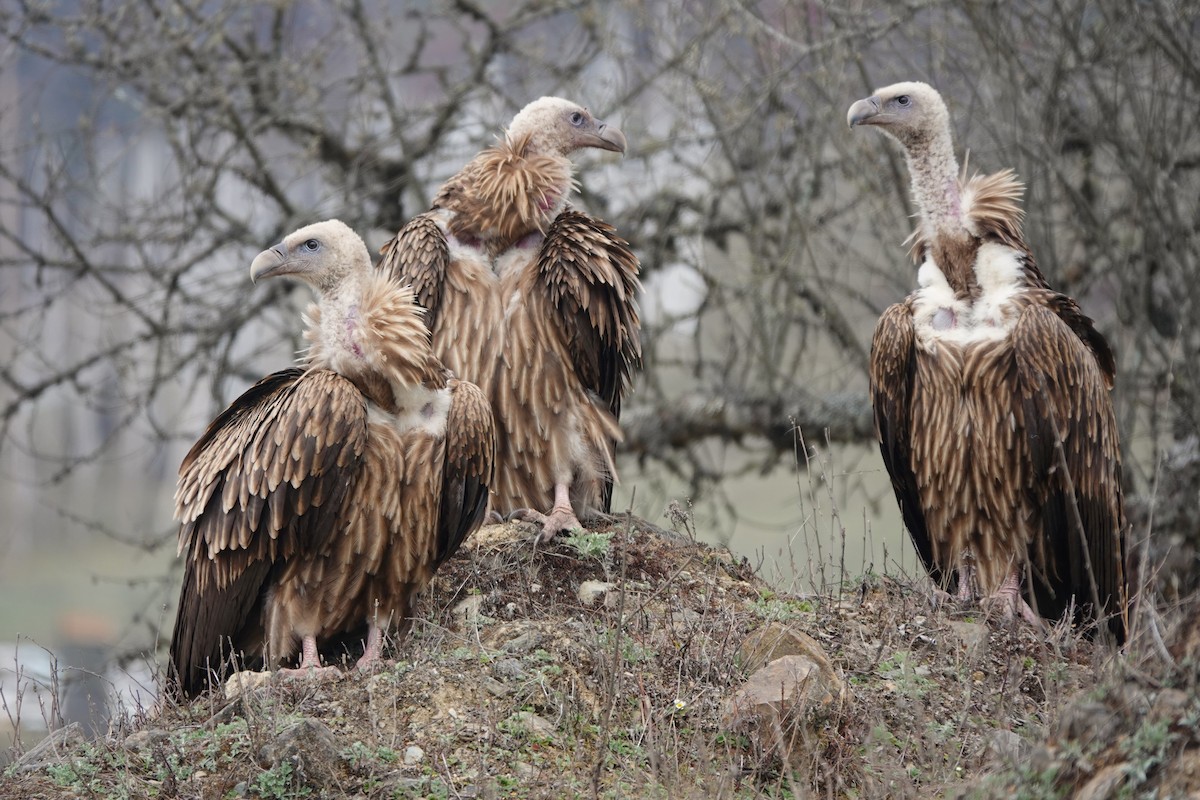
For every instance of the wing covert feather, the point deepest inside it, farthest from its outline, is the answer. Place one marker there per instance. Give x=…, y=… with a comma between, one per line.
x=419, y=255
x=1065, y=398
x=470, y=464
x=591, y=278
x=268, y=474
x=892, y=371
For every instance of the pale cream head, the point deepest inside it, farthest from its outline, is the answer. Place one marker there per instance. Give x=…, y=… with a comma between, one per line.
x=322, y=255
x=559, y=127
x=910, y=112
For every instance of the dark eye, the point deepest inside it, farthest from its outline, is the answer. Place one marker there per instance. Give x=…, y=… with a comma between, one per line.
x=576, y=118
x=312, y=245
x=903, y=100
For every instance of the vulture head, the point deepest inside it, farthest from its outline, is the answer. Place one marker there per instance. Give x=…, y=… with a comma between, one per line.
x=321, y=255
x=554, y=126
x=912, y=113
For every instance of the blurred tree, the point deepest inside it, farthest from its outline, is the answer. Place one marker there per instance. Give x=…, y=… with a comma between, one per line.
x=151, y=148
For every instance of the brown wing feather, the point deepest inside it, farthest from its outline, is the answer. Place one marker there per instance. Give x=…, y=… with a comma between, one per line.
x=470, y=463
x=1065, y=399
x=591, y=279
x=892, y=372
x=265, y=481
x=419, y=255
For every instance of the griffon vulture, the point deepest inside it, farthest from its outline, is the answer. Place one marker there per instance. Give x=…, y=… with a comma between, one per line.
x=322, y=500
x=535, y=302
x=991, y=394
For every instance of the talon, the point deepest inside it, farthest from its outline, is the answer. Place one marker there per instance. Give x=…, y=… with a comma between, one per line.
x=525, y=515
x=1008, y=598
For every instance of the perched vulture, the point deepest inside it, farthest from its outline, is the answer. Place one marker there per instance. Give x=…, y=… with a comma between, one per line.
x=536, y=303
x=991, y=394
x=321, y=501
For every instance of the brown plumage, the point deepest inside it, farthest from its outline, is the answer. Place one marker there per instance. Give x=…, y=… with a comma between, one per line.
x=992, y=396
x=536, y=303
x=321, y=501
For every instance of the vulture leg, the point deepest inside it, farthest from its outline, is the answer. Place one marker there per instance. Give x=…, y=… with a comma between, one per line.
x=371, y=651
x=561, y=517
x=966, y=584
x=1008, y=598
x=310, y=662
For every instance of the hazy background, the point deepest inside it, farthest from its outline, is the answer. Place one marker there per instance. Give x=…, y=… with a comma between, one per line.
x=149, y=150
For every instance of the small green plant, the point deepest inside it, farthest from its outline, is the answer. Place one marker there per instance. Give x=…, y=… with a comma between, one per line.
x=357, y=753
x=589, y=545
x=1146, y=749
x=776, y=609
x=279, y=783
x=77, y=775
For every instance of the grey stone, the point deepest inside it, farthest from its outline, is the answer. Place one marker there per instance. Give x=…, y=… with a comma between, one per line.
x=591, y=591
x=1007, y=747
x=311, y=749
x=245, y=682
x=508, y=669
x=777, y=702
x=52, y=749
x=971, y=637
x=776, y=640
x=534, y=726
x=146, y=739
x=1104, y=784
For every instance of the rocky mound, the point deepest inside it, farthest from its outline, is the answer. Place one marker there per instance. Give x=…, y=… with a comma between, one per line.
x=633, y=662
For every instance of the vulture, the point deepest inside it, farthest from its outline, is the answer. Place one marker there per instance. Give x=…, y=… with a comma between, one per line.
x=536, y=302
x=323, y=499
x=991, y=395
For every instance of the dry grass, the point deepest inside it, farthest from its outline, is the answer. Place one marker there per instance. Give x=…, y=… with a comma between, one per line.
x=512, y=687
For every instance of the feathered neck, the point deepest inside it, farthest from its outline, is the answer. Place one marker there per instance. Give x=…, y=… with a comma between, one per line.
x=370, y=330
x=507, y=192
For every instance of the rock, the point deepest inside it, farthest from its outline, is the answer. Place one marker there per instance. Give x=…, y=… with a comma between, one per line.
x=1182, y=777
x=52, y=749
x=777, y=703
x=591, y=591
x=971, y=638
x=519, y=636
x=309, y=747
x=244, y=683
x=1086, y=721
x=413, y=755
x=522, y=643
x=525, y=771
x=508, y=669
x=467, y=612
x=1007, y=747
x=534, y=726
x=1171, y=706
x=1104, y=784
x=776, y=640
x=146, y=739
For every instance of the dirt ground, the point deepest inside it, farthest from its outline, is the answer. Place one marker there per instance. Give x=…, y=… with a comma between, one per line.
x=603, y=665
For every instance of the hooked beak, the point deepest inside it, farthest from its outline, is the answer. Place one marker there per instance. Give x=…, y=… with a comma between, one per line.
x=864, y=112
x=269, y=263
x=606, y=137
